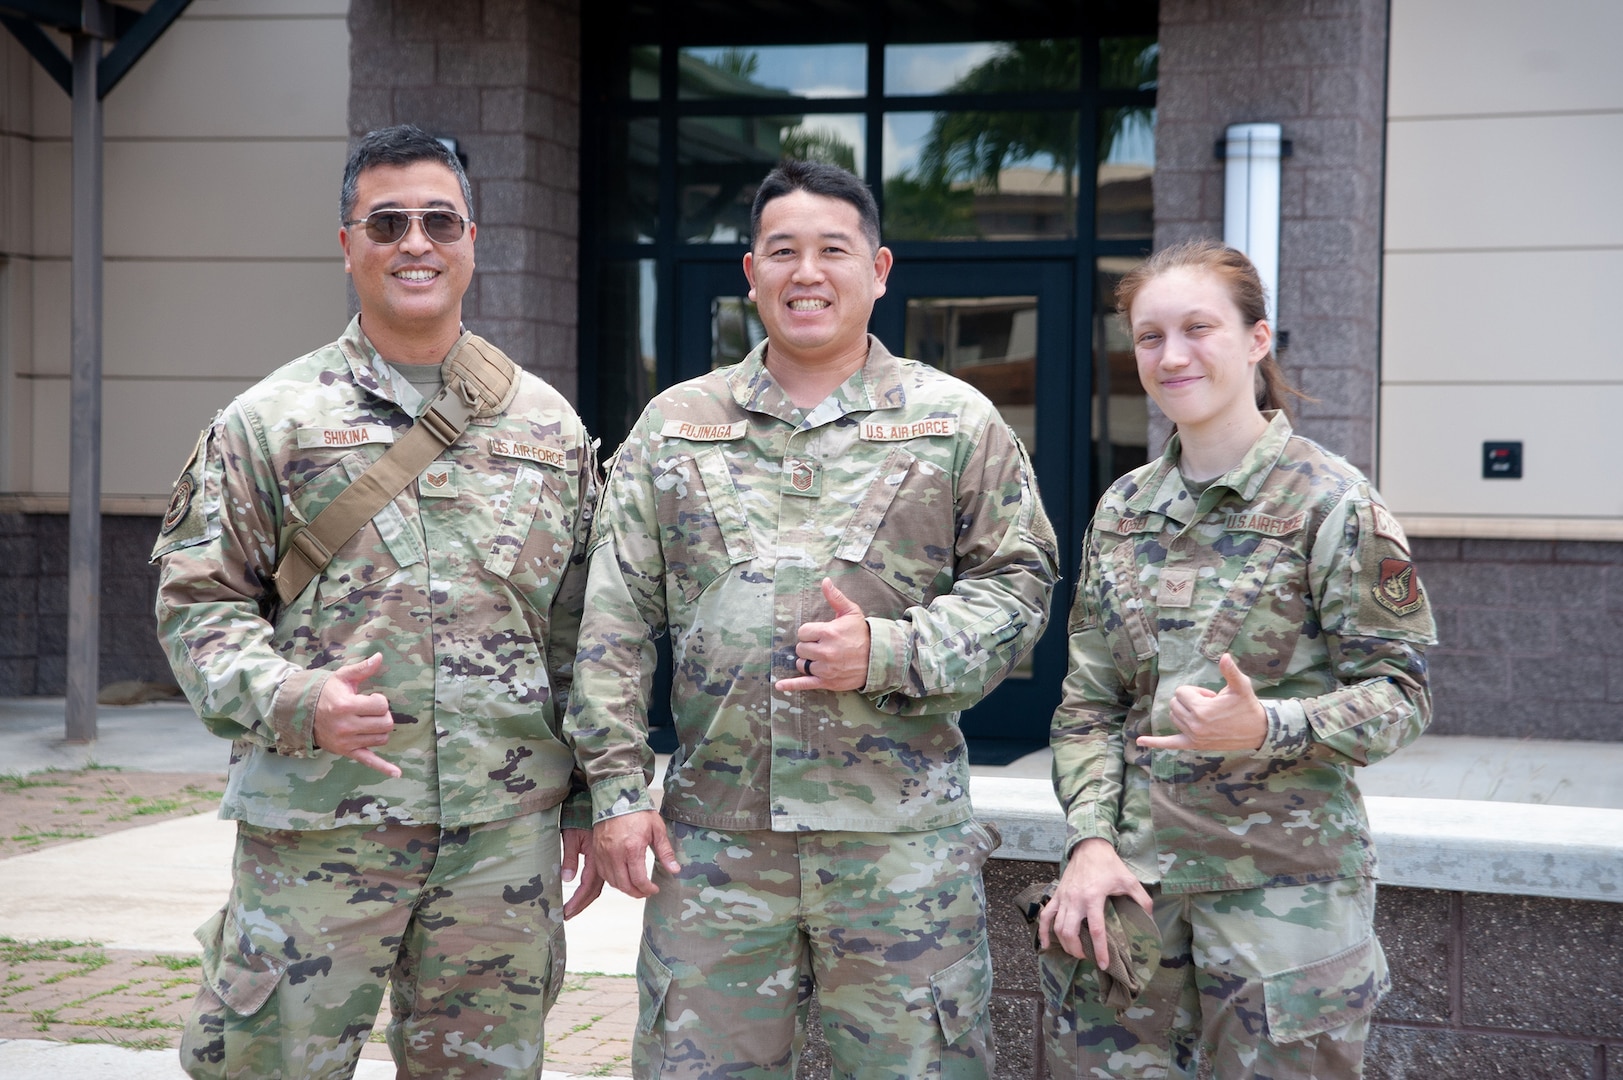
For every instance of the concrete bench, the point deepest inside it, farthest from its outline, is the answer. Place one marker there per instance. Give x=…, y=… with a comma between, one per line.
x=1503, y=923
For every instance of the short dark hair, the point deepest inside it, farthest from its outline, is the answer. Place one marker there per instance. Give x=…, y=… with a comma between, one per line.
x=403, y=144
x=817, y=178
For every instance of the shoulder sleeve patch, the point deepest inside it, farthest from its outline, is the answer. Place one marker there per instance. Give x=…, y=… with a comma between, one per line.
x=189, y=519
x=1386, y=596
x=1396, y=588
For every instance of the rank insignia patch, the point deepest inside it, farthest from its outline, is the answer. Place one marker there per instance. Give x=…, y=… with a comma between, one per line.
x=801, y=478
x=1176, y=588
x=437, y=481
x=1397, y=589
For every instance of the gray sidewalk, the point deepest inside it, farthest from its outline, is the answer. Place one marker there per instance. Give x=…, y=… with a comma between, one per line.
x=146, y=888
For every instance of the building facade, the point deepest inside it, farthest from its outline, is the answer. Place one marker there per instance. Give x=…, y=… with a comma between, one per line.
x=1443, y=171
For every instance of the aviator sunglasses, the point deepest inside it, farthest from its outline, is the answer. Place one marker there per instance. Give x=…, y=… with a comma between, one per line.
x=388, y=226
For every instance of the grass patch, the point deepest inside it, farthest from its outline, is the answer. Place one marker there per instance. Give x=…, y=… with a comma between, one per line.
x=20, y=782
x=151, y=1042
x=140, y=1020
x=172, y=963
x=34, y=839
x=54, y=950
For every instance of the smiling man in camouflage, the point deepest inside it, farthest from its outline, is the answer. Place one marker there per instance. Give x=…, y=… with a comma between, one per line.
x=846, y=549
x=392, y=680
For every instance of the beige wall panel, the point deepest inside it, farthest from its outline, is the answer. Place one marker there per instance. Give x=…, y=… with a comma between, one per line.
x=238, y=79
x=198, y=318
x=1504, y=56
x=1547, y=181
x=1498, y=316
x=1431, y=449
x=16, y=195
x=203, y=319
x=253, y=9
x=148, y=428
x=53, y=199
x=203, y=200
x=244, y=23
x=16, y=85
x=52, y=318
x=16, y=394
x=51, y=108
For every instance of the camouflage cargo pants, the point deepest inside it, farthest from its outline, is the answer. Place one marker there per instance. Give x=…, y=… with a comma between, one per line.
x=1272, y=983
x=465, y=925
x=890, y=928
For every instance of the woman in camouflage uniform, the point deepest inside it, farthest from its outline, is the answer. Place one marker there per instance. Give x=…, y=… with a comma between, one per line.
x=1247, y=628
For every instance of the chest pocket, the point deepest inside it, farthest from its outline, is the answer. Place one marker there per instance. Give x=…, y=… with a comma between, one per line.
x=535, y=536
x=378, y=549
x=902, y=530
x=1124, y=608
x=703, y=529
x=1242, y=596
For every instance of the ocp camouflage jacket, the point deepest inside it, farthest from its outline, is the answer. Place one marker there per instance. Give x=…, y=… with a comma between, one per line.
x=1291, y=563
x=721, y=514
x=469, y=583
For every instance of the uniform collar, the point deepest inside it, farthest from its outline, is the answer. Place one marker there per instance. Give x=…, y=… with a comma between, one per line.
x=1164, y=492
x=376, y=375
x=877, y=384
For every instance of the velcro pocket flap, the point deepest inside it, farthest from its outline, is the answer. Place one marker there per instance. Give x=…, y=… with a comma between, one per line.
x=724, y=504
x=870, y=514
x=1326, y=994
x=242, y=975
x=963, y=992
x=655, y=981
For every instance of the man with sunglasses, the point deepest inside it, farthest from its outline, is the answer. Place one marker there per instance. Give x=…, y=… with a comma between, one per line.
x=393, y=689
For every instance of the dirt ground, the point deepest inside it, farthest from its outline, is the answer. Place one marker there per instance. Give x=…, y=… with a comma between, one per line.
x=44, y=809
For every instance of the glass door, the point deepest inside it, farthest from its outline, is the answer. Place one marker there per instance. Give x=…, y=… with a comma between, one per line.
x=1005, y=327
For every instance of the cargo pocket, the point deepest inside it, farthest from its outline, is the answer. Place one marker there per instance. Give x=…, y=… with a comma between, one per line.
x=1326, y=994
x=653, y=984
x=1057, y=971
x=241, y=975
x=963, y=993
x=654, y=981
x=560, y=958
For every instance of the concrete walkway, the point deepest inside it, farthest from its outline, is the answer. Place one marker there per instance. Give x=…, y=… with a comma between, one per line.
x=147, y=888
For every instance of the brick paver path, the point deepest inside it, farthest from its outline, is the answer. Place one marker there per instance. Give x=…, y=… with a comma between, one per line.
x=79, y=992
x=74, y=992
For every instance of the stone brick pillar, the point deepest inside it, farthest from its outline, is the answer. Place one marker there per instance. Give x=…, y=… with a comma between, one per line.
x=1319, y=69
x=502, y=77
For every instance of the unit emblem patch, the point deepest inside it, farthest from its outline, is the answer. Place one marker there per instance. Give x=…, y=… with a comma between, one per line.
x=1397, y=589
x=179, y=503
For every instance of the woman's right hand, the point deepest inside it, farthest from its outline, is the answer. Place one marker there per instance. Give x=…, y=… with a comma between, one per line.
x=1095, y=871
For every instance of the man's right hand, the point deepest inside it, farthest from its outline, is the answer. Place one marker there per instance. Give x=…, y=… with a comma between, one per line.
x=349, y=722
x=1095, y=871
x=621, y=846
